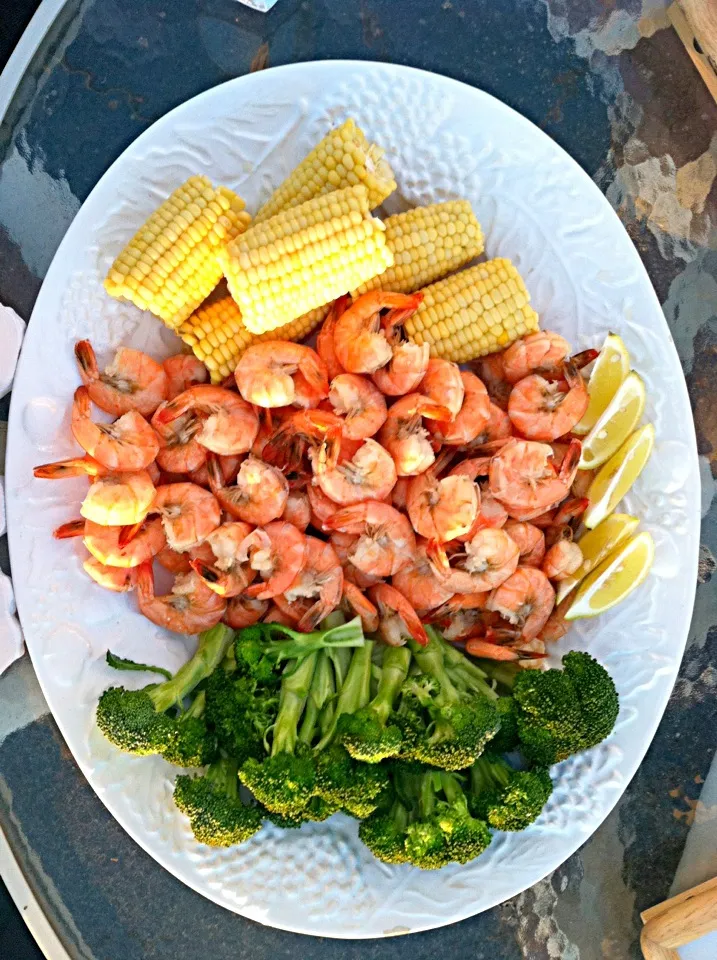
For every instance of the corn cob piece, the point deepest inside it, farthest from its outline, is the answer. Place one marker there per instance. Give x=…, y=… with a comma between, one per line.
x=304, y=257
x=473, y=313
x=342, y=159
x=428, y=243
x=170, y=265
x=218, y=337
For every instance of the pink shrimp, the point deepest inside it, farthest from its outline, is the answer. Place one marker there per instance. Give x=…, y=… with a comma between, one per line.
x=526, y=599
x=228, y=467
x=183, y=371
x=343, y=544
x=419, y=584
x=315, y=432
x=541, y=352
x=189, y=513
x=562, y=560
x=409, y=361
x=105, y=546
x=530, y=541
x=498, y=427
x=369, y=475
x=133, y=381
x=541, y=410
x=443, y=384
x=116, y=579
x=404, y=435
x=119, y=499
x=127, y=444
x=176, y=563
x=385, y=543
x=357, y=603
x=399, y=494
x=267, y=372
x=397, y=619
x=322, y=508
x=472, y=418
x=72, y=467
x=361, y=345
x=463, y=616
x=228, y=424
x=325, y=339
x=442, y=509
x=484, y=563
x=259, y=495
x=298, y=509
x=179, y=452
x=360, y=405
x=243, y=612
x=320, y=580
x=276, y=552
x=524, y=479
x=491, y=371
x=190, y=607
x=224, y=572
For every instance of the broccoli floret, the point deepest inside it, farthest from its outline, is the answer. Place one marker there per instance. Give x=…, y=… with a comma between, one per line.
x=217, y=815
x=315, y=811
x=241, y=712
x=367, y=733
x=426, y=822
x=507, y=799
x=284, y=782
x=261, y=649
x=461, y=721
x=149, y=720
x=191, y=743
x=561, y=712
x=506, y=739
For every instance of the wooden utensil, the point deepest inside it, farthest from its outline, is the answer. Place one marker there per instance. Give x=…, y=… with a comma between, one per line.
x=679, y=920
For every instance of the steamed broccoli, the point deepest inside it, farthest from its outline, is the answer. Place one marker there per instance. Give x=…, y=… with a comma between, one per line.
x=507, y=799
x=150, y=720
x=426, y=822
x=461, y=722
x=367, y=734
x=561, y=712
x=506, y=739
x=217, y=815
x=240, y=711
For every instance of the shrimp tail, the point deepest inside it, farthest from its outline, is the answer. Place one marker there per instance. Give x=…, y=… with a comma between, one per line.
x=128, y=533
x=570, y=462
x=438, y=559
x=73, y=467
x=74, y=528
x=86, y=360
x=215, y=579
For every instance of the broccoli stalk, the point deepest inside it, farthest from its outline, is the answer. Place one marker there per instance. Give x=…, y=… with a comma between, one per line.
x=146, y=721
x=367, y=734
x=507, y=799
x=216, y=813
x=461, y=723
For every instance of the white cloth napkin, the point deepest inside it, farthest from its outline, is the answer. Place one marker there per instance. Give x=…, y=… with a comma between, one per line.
x=262, y=5
x=12, y=330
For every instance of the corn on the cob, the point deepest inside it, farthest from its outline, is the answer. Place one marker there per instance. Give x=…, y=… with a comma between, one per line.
x=342, y=159
x=304, y=257
x=170, y=265
x=473, y=313
x=428, y=243
x=218, y=337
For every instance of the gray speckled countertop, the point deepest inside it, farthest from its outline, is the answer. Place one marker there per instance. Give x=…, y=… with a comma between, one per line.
x=610, y=81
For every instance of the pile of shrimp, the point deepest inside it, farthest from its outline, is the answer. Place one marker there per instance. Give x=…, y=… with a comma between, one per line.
x=361, y=475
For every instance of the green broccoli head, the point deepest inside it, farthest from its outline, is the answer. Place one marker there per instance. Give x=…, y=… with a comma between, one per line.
x=129, y=720
x=366, y=738
x=561, y=712
x=507, y=799
x=316, y=811
x=353, y=786
x=283, y=783
x=240, y=711
x=506, y=739
x=384, y=832
x=190, y=744
x=460, y=731
x=216, y=814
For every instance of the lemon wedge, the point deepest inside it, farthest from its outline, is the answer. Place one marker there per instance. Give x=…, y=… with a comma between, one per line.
x=616, y=577
x=596, y=545
x=614, y=478
x=615, y=424
x=610, y=369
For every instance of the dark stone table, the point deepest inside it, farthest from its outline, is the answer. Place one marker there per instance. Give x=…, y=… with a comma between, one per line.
x=610, y=81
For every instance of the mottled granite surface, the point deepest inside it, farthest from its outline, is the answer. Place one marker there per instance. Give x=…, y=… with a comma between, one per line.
x=610, y=82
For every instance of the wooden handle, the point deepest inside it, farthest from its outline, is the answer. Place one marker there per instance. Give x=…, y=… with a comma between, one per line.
x=702, y=17
x=653, y=951
x=686, y=917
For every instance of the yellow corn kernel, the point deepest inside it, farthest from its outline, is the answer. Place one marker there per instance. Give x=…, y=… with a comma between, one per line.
x=474, y=312
x=170, y=265
x=343, y=158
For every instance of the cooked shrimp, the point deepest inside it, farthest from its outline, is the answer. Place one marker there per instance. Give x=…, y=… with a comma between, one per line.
x=539, y=408
x=409, y=361
x=225, y=573
x=385, y=543
x=322, y=508
x=492, y=651
x=419, y=584
x=191, y=607
x=542, y=352
x=556, y=626
x=498, y=427
x=443, y=384
x=325, y=346
x=119, y=499
x=404, y=435
x=360, y=405
x=306, y=431
x=182, y=562
x=320, y=580
x=530, y=541
x=471, y=419
x=463, y=616
x=179, y=451
x=369, y=475
x=298, y=509
x=397, y=619
x=189, y=513
x=357, y=603
x=228, y=424
x=484, y=563
x=127, y=444
x=562, y=560
x=183, y=371
x=244, y=611
x=117, y=579
x=490, y=512
x=275, y=615
x=276, y=552
x=228, y=467
x=266, y=373
x=399, y=493
x=582, y=482
x=133, y=381
x=526, y=482
x=491, y=372
x=343, y=544
x=442, y=509
x=525, y=599
x=361, y=345
x=72, y=467
x=259, y=495
x=104, y=542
